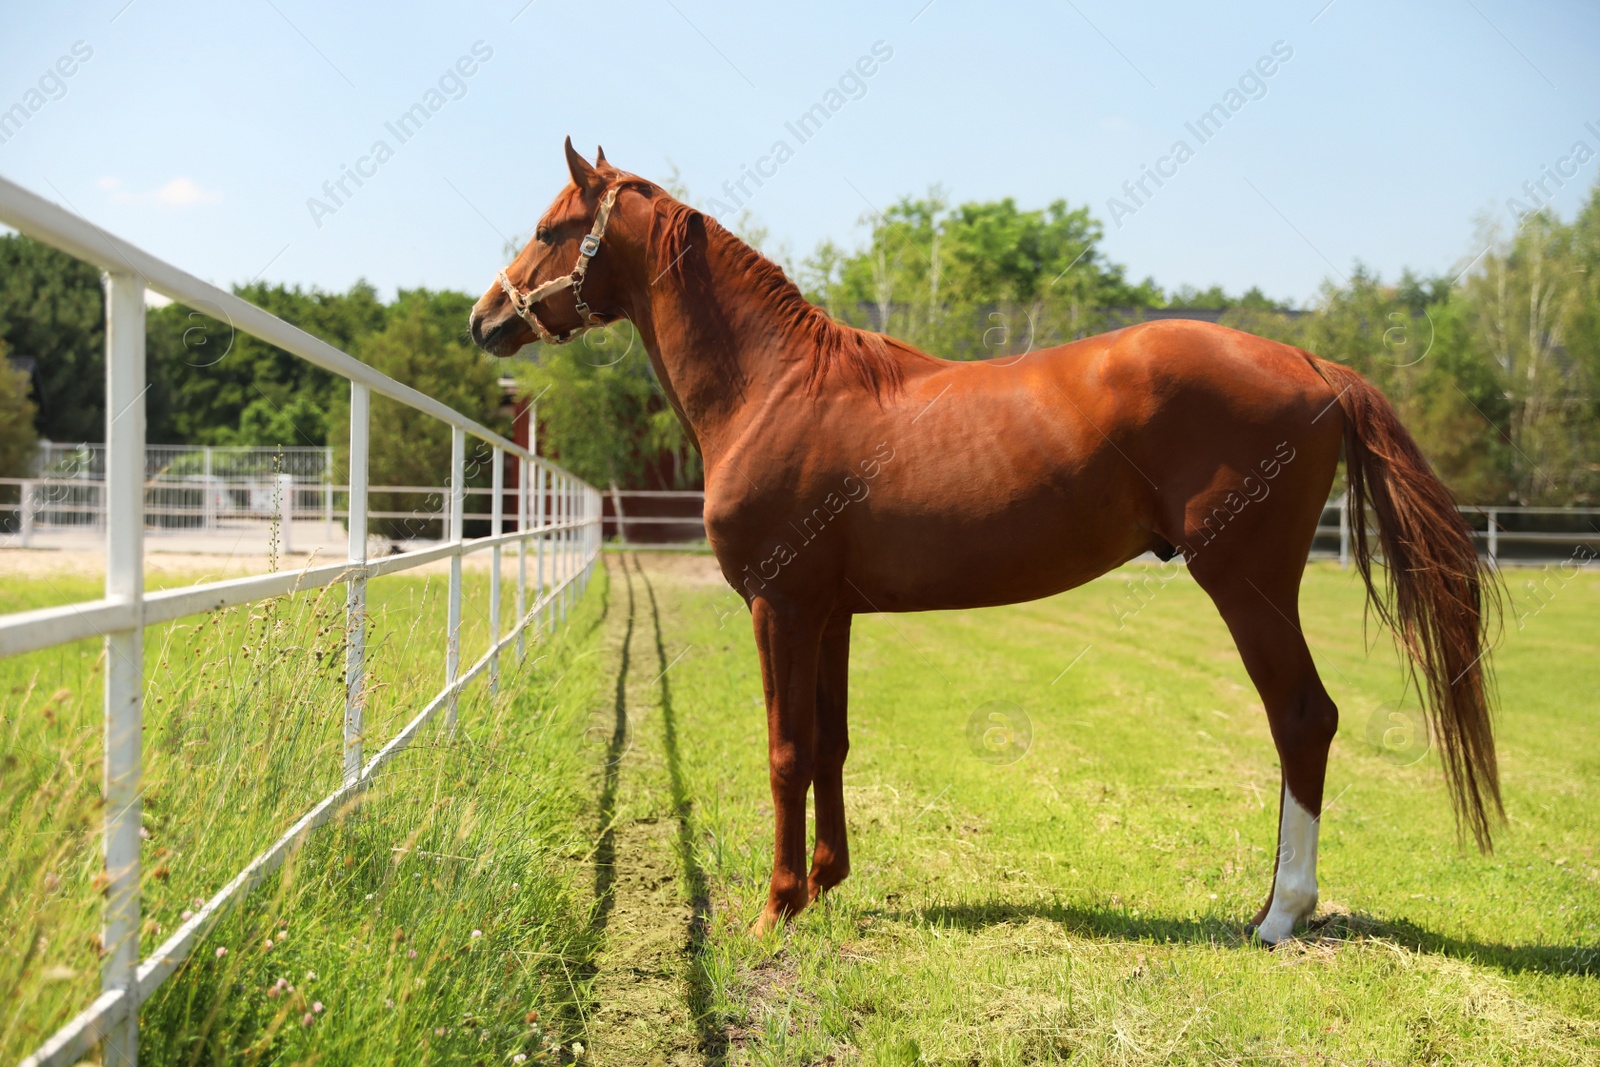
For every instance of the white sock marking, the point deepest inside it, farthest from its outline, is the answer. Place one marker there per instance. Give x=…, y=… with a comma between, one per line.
x=1294, y=893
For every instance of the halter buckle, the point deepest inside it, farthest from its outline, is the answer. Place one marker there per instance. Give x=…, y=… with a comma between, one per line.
x=589, y=246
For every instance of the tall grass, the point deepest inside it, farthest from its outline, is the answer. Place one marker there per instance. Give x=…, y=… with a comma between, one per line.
x=432, y=919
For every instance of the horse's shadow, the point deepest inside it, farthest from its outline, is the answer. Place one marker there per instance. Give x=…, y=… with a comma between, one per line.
x=1329, y=931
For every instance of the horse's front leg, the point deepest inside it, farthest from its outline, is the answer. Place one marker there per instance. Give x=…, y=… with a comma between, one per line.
x=788, y=637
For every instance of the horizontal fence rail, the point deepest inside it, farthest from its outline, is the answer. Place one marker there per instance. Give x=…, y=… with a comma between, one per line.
x=554, y=524
x=58, y=512
x=644, y=518
x=1528, y=536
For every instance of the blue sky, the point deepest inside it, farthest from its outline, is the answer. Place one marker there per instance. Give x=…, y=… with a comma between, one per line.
x=202, y=130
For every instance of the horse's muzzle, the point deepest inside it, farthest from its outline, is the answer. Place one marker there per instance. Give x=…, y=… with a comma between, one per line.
x=494, y=337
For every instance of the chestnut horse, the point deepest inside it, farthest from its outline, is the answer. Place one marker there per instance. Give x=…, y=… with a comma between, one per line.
x=847, y=472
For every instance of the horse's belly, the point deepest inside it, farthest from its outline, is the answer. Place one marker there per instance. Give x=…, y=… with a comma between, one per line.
x=932, y=563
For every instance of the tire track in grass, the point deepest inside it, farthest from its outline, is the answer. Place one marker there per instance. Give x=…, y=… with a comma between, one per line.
x=647, y=996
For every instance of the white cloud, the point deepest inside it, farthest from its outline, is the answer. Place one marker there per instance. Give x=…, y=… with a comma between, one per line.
x=182, y=192
x=179, y=192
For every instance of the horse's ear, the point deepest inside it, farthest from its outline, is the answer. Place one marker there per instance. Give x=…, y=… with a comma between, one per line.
x=599, y=156
x=583, y=175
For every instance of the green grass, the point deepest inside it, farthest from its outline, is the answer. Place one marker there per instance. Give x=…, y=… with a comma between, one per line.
x=437, y=921
x=1084, y=903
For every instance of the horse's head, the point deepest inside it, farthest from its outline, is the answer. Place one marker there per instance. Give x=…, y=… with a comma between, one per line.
x=561, y=283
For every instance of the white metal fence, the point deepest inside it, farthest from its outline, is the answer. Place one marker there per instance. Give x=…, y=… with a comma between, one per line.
x=1504, y=535
x=186, y=486
x=205, y=498
x=557, y=514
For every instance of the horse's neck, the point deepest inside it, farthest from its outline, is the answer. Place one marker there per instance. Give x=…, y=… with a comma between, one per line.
x=716, y=363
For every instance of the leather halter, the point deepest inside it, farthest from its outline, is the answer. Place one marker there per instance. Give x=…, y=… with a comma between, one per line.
x=522, y=300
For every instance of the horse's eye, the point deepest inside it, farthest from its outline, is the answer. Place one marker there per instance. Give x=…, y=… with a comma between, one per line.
x=542, y=235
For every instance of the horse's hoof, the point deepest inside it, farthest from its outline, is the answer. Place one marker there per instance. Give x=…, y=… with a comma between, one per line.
x=815, y=891
x=1252, y=933
x=769, y=920
x=1268, y=935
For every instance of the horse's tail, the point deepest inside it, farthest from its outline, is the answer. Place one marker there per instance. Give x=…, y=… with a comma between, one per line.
x=1437, y=596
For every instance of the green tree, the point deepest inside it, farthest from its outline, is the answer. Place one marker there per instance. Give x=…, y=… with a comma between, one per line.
x=302, y=420
x=52, y=308
x=18, y=440
x=1527, y=301
x=603, y=416
x=211, y=383
x=419, y=348
x=979, y=280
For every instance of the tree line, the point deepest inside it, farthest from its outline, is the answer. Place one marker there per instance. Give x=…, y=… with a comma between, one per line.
x=1493, y=370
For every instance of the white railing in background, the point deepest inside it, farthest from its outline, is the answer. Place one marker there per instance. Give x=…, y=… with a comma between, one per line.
x=187, y=487
x=654, y=518
x=564, y=529
x=64, y=512
x=1497, y=542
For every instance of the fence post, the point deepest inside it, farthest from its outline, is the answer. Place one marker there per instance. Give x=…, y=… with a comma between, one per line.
x=593, y=509
x=124, y=680
x=566, y=546
x=540, y=521
x=25, y=512
x=1344, y=531
x=496, y=521
x=458, y=499
x=355, y=600
x=211, y=489
x=1494, y=536
x=327, y=493
x=616, y=513
x=572, y=543
x=283, y=507
x=522, y=557
x=558, y=556
x=586, y=502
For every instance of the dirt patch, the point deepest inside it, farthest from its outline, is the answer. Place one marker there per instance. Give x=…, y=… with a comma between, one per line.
x=683, y=568
x=643, y=984
x=642, y=1014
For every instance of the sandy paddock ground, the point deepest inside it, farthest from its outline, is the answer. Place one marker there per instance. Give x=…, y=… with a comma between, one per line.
x=167, y=570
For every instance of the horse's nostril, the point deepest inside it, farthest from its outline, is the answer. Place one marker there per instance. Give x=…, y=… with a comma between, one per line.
x=475, y=329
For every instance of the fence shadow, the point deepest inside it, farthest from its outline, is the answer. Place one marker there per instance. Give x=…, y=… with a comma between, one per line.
x=713, y=1042
x=605, y=851
x=1340, y=928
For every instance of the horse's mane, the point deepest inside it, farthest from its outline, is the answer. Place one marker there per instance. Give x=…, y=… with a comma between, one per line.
x=680, y=239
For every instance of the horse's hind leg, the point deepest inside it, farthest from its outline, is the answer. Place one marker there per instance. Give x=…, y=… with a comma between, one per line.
x=1262, y=613
x=830, y=861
